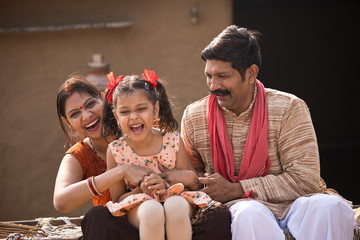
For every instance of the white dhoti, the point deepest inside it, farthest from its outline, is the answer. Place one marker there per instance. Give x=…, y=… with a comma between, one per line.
x=319, y=217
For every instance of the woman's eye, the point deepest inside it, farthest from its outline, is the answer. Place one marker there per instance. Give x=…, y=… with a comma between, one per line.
x=74, y=115
x=91, y=104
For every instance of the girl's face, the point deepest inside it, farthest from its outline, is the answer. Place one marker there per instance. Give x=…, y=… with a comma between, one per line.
x=135, y=114
x=84, y=114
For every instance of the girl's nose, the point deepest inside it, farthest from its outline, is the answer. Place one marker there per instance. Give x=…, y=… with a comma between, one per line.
x=133, y=115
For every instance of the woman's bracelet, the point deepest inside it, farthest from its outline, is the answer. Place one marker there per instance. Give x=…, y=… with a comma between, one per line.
x=91, y=185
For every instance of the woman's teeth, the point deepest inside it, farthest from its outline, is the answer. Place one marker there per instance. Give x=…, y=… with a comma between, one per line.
x=92, y=123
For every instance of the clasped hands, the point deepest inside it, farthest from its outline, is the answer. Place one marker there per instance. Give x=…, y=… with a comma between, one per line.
x=216, y=186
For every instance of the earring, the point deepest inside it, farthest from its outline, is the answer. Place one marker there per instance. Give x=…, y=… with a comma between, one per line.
x=156, y=122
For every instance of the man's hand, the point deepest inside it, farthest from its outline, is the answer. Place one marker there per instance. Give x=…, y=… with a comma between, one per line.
x=219, y=189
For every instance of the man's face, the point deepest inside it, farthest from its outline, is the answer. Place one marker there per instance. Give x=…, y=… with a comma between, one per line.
x=228, y=86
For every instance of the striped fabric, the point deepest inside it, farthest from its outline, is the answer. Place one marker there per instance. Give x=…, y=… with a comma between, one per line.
x=293, y=152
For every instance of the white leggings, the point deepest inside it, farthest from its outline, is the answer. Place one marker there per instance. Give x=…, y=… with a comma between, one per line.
x=319, y=217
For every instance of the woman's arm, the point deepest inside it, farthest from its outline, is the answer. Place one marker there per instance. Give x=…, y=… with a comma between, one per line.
x=71, y=191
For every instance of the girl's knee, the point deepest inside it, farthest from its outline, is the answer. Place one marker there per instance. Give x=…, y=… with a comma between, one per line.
x=151, y=211
x=177, y=207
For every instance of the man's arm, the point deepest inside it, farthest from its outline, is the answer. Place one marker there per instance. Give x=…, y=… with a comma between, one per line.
x=299, y=158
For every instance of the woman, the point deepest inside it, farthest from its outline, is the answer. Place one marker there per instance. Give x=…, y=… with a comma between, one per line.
x=82, y=177
x=79, y=106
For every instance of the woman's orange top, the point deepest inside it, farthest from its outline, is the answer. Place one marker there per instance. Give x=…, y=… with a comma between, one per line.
x=92, y=165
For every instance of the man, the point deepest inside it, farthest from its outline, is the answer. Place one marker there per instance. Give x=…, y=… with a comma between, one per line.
x=258, y=150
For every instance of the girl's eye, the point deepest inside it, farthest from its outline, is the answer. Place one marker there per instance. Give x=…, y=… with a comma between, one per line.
x=142, y=109
x=124, y=112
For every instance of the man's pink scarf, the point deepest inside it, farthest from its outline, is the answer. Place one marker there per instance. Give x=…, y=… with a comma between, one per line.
x=255, y=161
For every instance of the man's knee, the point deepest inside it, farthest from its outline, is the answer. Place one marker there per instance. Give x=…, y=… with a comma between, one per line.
x=323, y=204
x=249, y=211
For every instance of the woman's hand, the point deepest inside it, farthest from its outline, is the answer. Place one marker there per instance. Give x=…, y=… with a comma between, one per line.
x=135, y=174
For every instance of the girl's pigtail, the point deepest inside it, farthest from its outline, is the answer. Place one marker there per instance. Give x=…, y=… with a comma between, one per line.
x=167, y=120
x=110, y=128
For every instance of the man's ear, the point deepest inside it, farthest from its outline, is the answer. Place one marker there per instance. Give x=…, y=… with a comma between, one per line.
x=252, y=73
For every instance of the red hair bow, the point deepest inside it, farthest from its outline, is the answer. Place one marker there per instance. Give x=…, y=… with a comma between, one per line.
x=150, y=76
x=112, y=85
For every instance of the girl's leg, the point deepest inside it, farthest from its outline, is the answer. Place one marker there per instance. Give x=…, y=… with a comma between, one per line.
x=149, y=218
x=178, y=213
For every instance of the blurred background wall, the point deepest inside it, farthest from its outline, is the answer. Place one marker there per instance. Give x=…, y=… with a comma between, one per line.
x=33, y=65
x=309, y=49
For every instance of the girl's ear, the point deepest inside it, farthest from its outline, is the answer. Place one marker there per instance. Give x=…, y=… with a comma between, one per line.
x=103, y=96
x=117, y=120
x=156, y=110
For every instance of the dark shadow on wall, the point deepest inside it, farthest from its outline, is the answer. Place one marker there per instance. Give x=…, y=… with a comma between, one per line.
x=310, y=49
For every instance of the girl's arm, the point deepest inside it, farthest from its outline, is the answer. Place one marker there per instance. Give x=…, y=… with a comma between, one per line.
x=134, y=174
x=185, y=171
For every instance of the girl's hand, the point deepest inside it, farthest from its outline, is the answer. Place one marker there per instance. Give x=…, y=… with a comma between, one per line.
x=154, y=183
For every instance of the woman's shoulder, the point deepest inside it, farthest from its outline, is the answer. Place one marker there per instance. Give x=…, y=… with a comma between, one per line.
x=78, y=148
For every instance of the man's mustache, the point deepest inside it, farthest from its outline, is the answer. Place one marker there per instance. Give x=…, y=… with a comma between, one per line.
x=220, y=92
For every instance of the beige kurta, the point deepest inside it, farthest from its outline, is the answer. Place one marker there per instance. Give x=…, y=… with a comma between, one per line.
x=293, y=151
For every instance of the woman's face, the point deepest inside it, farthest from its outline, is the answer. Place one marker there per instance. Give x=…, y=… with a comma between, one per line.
x=84, y=114
x=135, y=114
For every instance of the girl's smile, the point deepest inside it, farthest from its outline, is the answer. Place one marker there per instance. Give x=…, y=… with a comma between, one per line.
x=135, y=114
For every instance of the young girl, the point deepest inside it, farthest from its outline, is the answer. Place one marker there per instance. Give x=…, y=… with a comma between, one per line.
x=133, y=103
